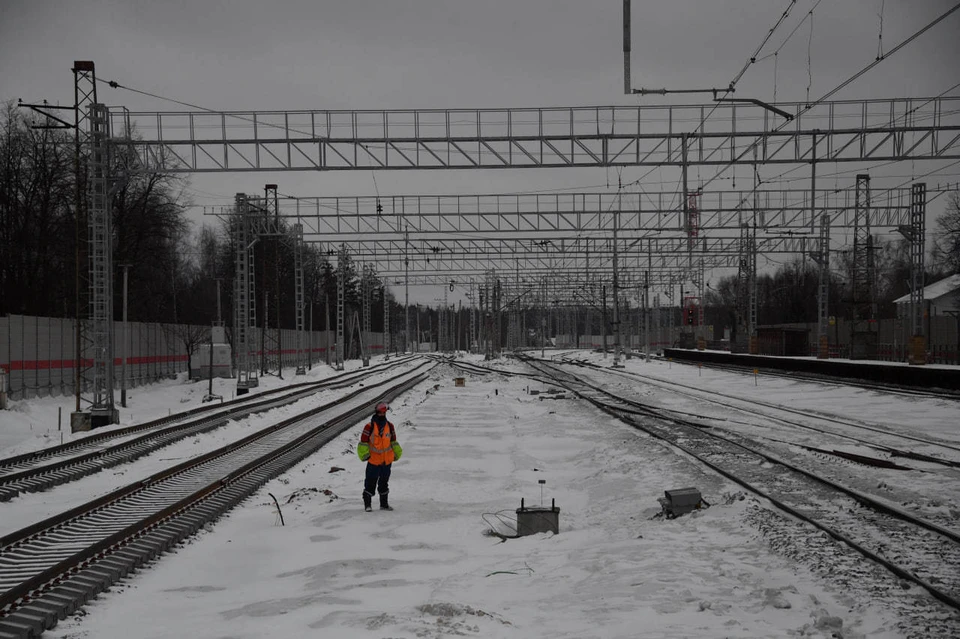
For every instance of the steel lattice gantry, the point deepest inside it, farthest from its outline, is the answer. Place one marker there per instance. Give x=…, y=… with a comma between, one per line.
x=253, y=218
x=396, y=260
x=574, y=213
x=714, y=135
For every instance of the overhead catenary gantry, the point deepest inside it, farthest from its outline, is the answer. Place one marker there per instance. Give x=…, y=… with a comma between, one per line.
x=596, y=136
x=255, y=218
x=559, y=230
x=434, y=258
x=717, y=135
x=576, y=213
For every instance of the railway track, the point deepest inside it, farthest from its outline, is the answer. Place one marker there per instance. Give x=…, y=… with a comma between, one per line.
x=50, y=467
x=940, y=453
x=53, y=567
x=912, y=548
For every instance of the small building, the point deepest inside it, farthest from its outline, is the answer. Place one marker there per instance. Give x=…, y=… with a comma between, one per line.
x=200, y=361
x=938, y=298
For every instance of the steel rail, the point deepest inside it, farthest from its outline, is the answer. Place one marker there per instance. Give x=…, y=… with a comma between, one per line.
x=135, y=512
x=639, y=409
x=33, y=457
x=811, y=414
x=42, y=477
x=629, y=409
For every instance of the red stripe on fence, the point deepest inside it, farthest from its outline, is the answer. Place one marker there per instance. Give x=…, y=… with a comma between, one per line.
x=47, y=364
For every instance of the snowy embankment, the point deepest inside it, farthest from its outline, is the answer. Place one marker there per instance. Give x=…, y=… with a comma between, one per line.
x=429, y=569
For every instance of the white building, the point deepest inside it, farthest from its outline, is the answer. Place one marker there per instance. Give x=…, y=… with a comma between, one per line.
x=938, y=298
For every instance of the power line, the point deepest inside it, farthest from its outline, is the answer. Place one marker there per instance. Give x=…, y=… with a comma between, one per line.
x=808, y=15
x=753, y=58
x=733, y=83
x=843, y=84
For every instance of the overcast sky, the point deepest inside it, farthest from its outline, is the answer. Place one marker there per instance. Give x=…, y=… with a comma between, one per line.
x=309, y=54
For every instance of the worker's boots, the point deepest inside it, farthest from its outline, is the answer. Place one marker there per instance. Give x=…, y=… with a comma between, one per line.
x=383, y=503
x=366, y=503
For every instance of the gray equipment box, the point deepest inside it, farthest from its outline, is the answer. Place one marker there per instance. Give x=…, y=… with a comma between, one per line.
x=537, y=519
x=681, y=501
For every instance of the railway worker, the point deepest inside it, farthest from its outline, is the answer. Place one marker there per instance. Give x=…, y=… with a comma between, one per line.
x=379, y=448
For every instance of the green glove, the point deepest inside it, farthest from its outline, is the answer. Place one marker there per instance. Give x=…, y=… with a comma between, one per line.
x=397, y=451
x=363, y=451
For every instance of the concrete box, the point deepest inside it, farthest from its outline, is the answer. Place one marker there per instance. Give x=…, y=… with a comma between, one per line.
x=537, y=519
x=80, y=422
x=681, y=501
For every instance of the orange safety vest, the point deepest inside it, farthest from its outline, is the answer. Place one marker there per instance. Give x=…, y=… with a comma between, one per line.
x=381, y=444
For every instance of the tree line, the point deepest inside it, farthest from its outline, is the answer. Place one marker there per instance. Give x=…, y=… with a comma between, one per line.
x=173, y=272
x=790, y=293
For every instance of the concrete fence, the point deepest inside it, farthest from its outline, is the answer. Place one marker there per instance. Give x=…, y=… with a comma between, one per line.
x=38, y=356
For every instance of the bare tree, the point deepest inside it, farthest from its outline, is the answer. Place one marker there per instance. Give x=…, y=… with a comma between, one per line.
x=946, y=244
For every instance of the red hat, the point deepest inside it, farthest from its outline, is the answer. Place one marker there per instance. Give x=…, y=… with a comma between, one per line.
x=382, y=407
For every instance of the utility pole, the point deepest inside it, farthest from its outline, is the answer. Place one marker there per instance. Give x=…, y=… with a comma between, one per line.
x=543, y=316
x=616, y=294
x=219, y=318
x=126, y=340
x=646, y=317
x=210, y=396
x=406, y=289
x=603, y=320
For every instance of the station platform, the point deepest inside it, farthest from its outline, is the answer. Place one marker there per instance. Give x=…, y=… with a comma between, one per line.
x=927, y=376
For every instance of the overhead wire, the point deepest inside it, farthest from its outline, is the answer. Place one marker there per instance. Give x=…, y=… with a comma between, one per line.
x=806, y=16
x=702, y=121
x=842, y=85
x=880, y=35
x=809, y=62
x=736, y=79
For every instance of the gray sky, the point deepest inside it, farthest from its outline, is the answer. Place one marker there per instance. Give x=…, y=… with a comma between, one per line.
x=308, y=54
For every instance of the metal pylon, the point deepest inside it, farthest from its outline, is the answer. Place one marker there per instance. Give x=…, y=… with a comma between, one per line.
x=341, y=289
x=657, y=312
x=700, y=283
x=915, y=235
x=918, y=210
x=822, y=258
x=85, y=96
x=366, y=292
x=386, y=325
x=100, y=252
x=473, y=320
x=862, y=273
x=747, y=289
x=299, y=296
x=497, y=317
x=244, y=296
x=267, y=224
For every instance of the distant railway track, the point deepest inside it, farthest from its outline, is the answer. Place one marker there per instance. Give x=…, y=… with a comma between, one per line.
x=877, y=530
x=747, y=406
x=51, y=568
x=56, y=465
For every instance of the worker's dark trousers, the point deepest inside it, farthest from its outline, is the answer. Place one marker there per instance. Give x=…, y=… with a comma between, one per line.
x=377, y=480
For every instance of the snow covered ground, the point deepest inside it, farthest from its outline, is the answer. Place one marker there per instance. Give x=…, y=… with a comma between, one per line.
x=430, y=568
